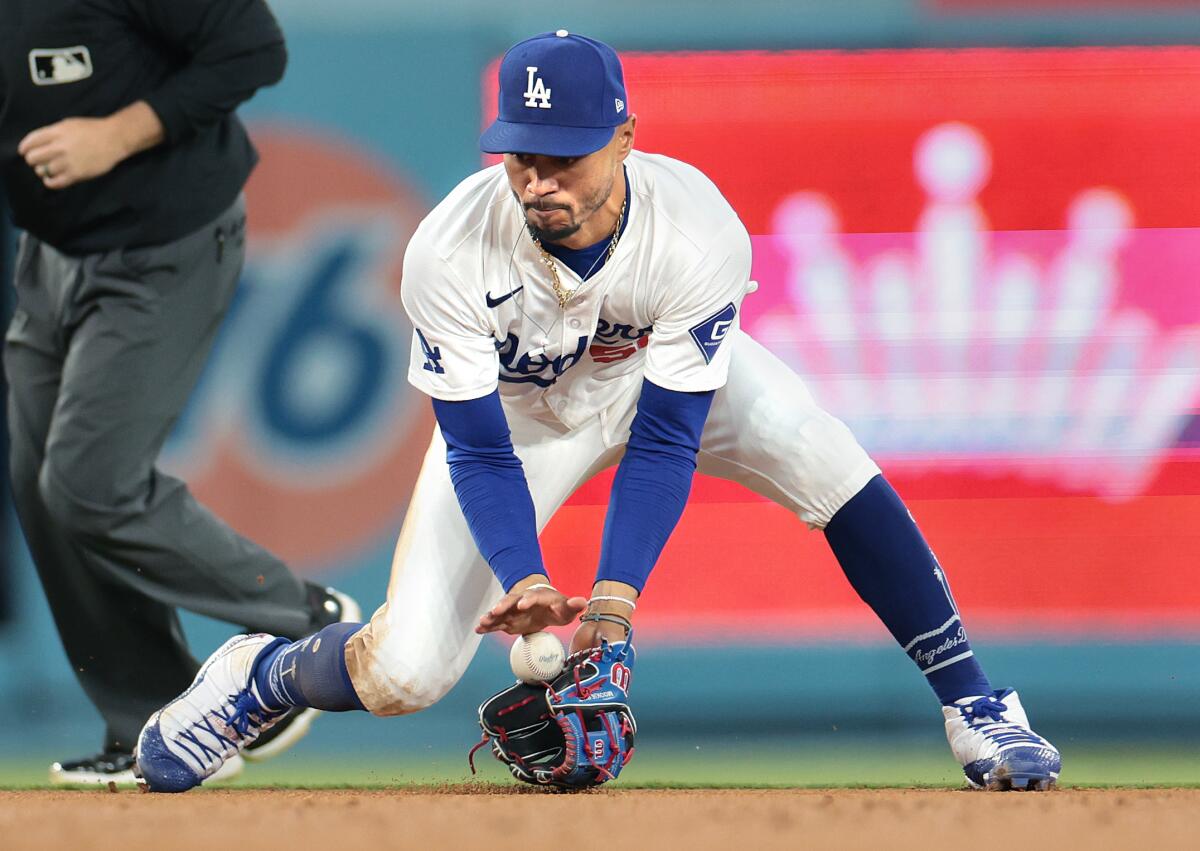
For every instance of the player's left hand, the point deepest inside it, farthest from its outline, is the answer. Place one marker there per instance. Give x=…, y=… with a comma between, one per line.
x=523, y=610
x=72, y=150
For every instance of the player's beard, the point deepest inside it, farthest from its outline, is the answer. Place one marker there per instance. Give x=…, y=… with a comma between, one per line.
x=590, y=205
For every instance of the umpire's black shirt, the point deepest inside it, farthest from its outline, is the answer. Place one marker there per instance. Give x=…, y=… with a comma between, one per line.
x=193, y=61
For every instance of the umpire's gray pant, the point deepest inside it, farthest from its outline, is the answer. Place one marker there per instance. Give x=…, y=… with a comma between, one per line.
x=101, y=355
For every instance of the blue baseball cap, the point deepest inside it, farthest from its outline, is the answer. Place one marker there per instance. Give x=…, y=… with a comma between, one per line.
x=561, y=94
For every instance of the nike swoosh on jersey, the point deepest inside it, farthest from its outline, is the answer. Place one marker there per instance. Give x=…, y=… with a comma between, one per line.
x=496, y=302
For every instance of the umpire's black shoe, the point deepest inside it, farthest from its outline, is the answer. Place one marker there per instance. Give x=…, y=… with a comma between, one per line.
x=329, y=606
x=104, y=768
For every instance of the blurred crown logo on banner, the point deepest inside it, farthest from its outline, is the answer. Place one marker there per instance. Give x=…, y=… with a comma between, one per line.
x=992, y=351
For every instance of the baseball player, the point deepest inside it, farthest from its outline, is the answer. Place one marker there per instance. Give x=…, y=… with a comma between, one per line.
x=124, y=162
x=575, y=308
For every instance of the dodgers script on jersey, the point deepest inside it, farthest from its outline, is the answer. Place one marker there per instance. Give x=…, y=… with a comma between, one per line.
x=484, y=313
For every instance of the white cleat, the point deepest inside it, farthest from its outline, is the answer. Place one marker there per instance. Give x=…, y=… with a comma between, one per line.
x=194, y=736
x=991, y=740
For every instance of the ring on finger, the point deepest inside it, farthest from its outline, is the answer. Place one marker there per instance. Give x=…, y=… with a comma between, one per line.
x=43, y=170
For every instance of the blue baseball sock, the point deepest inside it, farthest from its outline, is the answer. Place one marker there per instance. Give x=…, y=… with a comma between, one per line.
x=886, y=559
x=310, y=672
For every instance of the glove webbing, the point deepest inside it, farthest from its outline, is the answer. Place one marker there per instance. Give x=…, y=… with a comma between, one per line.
x=566, y=768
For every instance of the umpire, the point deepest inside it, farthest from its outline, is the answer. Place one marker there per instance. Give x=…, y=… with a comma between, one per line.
x=124, y=164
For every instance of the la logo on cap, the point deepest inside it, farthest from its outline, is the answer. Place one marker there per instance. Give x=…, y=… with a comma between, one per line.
x=536, y=93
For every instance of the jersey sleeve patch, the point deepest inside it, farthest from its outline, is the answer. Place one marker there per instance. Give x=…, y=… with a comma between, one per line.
x=712, y=331
x=433, y=355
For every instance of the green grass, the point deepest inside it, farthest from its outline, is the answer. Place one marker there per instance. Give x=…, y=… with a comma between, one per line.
x=850, y=766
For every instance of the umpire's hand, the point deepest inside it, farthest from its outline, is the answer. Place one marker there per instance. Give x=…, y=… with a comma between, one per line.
x=527, y=609
x=77, y=149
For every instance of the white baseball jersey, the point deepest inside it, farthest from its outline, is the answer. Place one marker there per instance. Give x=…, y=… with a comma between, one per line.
x=484, y=312
x=664, y=307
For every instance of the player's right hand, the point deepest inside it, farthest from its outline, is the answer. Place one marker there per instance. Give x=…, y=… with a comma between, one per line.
x=523, y=610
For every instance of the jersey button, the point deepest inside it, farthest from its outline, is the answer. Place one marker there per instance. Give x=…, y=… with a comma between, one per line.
x=574, y=323
x=560, y=405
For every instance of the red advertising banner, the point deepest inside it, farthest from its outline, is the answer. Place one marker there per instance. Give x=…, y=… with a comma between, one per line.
x=988, y=263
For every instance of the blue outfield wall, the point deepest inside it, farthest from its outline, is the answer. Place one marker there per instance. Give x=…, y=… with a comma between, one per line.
x=1087, y=692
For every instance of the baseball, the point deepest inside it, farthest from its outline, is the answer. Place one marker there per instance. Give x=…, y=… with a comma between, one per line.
x=537, y=657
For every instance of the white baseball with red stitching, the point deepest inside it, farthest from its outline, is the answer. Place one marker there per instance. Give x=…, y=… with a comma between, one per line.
x=537, y=657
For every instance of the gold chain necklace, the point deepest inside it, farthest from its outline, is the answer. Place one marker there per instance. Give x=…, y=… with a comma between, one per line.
x=561, y=293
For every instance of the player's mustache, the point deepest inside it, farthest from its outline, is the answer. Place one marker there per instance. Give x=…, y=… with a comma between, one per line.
x=543, y=207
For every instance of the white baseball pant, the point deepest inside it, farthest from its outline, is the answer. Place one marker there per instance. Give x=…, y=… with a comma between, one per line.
x=764, y=430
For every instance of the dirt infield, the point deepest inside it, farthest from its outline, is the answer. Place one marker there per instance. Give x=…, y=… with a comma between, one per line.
x=499, y=817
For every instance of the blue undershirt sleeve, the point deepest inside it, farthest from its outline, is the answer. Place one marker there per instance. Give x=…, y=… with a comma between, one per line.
x=652, y=482
x=490, y=484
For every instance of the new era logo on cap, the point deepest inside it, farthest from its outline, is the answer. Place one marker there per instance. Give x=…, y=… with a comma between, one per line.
x=561, y=95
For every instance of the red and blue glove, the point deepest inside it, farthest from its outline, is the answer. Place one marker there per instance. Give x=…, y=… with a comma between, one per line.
x=574, y=733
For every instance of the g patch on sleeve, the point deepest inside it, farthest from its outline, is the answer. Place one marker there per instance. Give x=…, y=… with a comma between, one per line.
x=712, y=331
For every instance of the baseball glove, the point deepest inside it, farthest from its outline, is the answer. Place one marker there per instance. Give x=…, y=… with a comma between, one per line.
x=573, y=733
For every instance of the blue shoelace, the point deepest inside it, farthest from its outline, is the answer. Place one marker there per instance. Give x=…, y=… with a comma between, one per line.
x=247, y=716
x=247, y=713
x=985, y=715
x=984, y=707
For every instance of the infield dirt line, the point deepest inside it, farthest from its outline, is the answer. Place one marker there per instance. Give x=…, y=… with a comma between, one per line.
x=662, y=820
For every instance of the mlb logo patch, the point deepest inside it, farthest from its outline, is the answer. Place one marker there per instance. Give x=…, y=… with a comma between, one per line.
x=710, y=333
x=53, y=66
